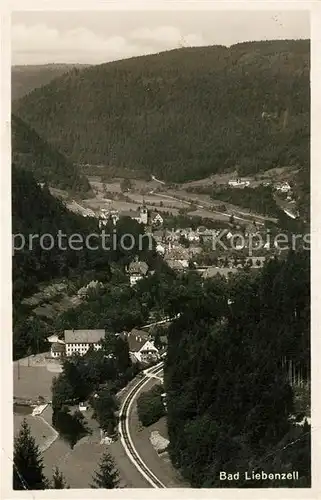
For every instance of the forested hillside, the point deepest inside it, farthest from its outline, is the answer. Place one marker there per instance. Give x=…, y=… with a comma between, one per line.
x=31, y=152
x=237, y=358
x=36, y=212
x=25, y=78
x=183, y=114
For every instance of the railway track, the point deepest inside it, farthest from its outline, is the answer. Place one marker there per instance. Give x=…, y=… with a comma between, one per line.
x=125, y=434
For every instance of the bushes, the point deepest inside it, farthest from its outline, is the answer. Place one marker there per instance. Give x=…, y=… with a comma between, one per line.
x=71, y=427
x=105, y=406
x=150, y=406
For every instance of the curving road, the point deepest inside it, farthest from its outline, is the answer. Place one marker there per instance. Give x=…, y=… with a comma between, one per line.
x=125, y=434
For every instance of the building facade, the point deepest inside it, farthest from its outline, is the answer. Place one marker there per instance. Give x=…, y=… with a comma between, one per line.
x=137, y=270
x=141, y=347
x=79, y=341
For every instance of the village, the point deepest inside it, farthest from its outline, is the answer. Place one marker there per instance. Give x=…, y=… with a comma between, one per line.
x=161, y=209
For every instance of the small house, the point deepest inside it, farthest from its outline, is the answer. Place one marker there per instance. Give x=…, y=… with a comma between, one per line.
x=57, y=348
x=137, y=270
x=156, y=219
x=141, y=347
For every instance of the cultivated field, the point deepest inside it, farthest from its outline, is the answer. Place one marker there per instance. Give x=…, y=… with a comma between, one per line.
x=163, y=198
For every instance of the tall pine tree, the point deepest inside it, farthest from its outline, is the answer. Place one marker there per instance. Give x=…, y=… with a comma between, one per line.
x=107, y=476
x=58, y=480
x=28, y=465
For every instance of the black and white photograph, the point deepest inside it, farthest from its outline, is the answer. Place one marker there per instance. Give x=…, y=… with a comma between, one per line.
x=160, y=221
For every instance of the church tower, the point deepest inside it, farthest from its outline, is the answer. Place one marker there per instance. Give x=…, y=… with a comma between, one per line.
x=144, y=214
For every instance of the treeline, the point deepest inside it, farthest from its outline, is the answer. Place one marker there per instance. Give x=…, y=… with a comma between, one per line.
x=215, y=108
x=230, y=397
x=259, y=200
x=33, y=153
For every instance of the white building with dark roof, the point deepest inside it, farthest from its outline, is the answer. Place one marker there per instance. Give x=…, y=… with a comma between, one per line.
x=137, y=270
x=156, y=219
x=57, y=350
x=79, y=341
x=141, y=347
x=57, y=347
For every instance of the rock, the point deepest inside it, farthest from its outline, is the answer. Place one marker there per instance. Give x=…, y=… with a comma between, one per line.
x=158, y=442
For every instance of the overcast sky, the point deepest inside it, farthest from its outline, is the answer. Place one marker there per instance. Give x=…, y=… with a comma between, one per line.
x=96, y=37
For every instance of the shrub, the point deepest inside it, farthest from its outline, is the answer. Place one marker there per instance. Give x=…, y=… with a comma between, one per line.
x=150, y=406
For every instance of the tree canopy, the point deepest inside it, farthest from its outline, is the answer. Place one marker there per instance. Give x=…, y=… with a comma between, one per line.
x=236, y=356
x=27, y=462
x=215, y=108
x=107, y=475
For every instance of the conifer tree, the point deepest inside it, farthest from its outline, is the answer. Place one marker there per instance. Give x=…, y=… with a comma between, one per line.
x=58, y=480
x=107, y=476
x=28, y=465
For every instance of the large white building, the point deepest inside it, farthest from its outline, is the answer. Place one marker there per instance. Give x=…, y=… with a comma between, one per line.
x=79, y=341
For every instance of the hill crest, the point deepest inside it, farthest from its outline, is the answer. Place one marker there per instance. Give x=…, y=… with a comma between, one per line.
x=183, y=114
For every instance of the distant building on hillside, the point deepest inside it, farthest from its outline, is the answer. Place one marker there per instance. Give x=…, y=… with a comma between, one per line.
x=137, y=270
x=178, y=264
x=103, y=218
x=283, y=187
x=143, y=215
x=160, y=249
x=268, y=115
x=176, y=251
x=79, y=341
x=156, y=219
x=238, y=183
